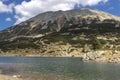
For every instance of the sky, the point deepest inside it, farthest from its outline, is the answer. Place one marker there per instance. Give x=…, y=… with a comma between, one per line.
x=13, y=12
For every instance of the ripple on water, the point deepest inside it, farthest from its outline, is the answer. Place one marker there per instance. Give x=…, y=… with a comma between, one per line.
x=60, y=69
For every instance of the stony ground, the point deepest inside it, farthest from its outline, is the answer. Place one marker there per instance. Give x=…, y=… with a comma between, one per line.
x=5, y=77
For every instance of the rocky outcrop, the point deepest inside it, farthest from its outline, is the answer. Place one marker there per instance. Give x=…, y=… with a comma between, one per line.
x=92, y=55
x=102, y=56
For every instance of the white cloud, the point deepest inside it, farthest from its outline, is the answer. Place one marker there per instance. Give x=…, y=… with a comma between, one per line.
x=5, y=8
x=26, y=10
x=3, y=0
x=111, y=8
x=8, y=19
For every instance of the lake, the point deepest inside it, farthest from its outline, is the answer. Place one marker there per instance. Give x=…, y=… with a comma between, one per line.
x=51, y=68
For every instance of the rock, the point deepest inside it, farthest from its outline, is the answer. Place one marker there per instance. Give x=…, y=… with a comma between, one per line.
x=92, y=55
x=114, y=60
x=101, y=59
x=16, y=76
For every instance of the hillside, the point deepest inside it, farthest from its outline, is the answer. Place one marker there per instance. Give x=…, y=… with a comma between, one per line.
x=87, y=33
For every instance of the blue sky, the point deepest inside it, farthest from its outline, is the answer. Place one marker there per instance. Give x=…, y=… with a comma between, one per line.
x=15, y=11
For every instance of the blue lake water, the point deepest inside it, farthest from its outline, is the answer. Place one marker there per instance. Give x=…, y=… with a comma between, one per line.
x=71, y=68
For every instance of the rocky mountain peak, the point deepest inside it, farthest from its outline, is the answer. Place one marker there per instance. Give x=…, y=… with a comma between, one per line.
x=49, y=22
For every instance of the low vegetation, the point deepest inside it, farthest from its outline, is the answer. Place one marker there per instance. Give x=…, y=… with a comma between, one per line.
x=73, y=41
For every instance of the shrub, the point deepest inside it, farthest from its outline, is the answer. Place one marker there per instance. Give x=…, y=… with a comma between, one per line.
x=96, y=43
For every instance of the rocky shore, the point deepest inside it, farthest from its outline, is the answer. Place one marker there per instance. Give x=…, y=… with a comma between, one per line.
x=6, y=77
x=97, y=56
x=102, y=56
x=59, y=49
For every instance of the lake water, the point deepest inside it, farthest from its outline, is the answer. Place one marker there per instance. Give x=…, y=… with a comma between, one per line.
x=43, y=68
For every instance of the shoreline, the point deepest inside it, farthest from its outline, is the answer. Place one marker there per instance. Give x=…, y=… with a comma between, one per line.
x=34, y=77
x=7, y=73
x=83, y=58
x=7, y=77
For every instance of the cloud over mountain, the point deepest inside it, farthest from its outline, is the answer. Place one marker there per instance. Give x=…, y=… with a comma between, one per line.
x=5, y=7
x=26, y=10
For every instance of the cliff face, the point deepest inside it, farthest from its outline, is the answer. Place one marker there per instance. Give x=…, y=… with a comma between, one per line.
x=64, y=33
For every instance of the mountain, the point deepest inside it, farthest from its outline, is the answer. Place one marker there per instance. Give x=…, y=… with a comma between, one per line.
x=55, y=21
x=65, y=33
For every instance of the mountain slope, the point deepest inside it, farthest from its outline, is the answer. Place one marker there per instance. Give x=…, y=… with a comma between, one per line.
x=55, y=21
x=86, y=33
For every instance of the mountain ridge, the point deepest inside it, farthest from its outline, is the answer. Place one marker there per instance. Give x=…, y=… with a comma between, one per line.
x=45, y=22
